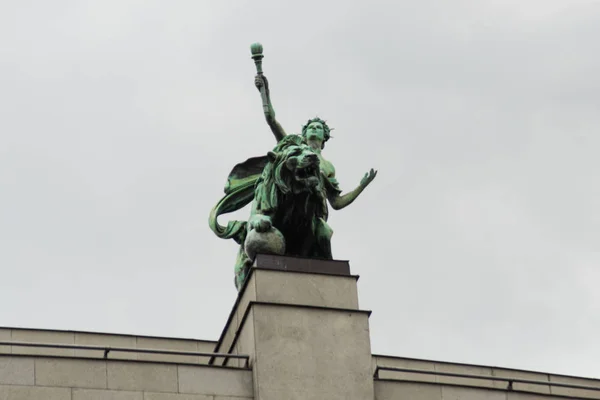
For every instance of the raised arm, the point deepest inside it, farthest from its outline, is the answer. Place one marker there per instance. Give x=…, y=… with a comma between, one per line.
x=339, y=201
x=263, y=86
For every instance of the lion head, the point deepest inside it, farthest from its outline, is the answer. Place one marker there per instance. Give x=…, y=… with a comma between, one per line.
x=293, y=169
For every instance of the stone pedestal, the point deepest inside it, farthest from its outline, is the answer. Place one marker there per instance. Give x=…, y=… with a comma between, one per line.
x=299, y=321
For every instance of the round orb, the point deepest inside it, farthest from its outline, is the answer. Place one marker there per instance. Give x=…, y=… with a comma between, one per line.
x=270, y=242
x=256, y=48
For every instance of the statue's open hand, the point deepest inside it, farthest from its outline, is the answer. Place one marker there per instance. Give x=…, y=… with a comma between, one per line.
x=260, y=223
x=368, y=178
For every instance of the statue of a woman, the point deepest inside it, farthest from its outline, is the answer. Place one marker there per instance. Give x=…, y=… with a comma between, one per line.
x=316, y=133
x=244, y=187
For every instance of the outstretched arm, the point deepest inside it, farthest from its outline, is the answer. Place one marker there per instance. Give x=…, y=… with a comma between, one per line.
x=338, y=201
x=263, y=86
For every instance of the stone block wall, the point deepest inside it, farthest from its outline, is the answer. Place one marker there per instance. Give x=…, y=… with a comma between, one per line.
x=393, y=385
x=104, y=339
x=30, y=377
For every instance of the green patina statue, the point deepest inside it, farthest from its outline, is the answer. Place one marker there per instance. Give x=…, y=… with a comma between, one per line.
x=289, y=189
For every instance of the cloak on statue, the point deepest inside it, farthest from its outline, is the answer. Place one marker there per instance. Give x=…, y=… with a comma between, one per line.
x=239, y=192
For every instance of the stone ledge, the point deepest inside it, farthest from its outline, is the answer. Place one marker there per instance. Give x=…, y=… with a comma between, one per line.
x=297, y=264
x=43, y=356
x=544, y=387
x=516, y=391
x=132, y=335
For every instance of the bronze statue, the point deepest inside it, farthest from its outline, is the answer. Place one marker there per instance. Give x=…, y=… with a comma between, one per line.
x=289, y=190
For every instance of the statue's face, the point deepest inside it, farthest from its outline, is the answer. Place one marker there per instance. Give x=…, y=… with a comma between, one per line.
x=315, y=131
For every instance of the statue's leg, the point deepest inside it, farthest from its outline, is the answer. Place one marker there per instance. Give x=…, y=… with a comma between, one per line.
x=242, y=264
x=323, y=233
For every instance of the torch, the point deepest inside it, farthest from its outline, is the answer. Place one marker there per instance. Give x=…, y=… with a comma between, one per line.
x=257, y=55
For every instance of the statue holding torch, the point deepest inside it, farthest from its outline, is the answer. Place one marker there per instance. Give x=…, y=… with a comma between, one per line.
x=289, y=189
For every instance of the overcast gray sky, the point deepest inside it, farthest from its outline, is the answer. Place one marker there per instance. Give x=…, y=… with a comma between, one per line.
x=478, y=242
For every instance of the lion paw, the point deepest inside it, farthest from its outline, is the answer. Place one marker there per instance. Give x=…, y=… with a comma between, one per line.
x=261, y=223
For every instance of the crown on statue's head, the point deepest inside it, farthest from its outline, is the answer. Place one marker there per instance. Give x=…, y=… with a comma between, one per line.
x=326, y=129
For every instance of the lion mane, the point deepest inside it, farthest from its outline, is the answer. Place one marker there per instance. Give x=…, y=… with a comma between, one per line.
x=288, y=188
x=277, y=188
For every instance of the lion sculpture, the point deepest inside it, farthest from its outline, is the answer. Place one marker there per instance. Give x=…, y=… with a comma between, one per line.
x=289, y=209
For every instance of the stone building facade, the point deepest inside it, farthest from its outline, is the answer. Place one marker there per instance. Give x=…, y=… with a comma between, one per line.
x=295, y=332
